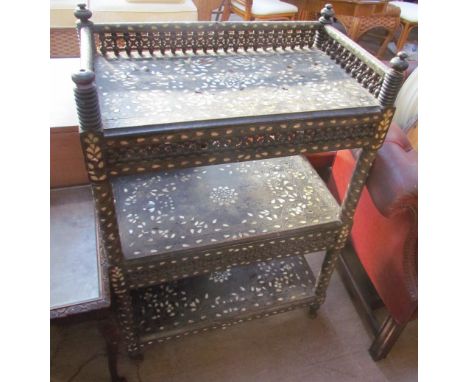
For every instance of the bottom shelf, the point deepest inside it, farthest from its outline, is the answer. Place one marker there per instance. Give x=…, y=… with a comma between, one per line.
x=220, y=299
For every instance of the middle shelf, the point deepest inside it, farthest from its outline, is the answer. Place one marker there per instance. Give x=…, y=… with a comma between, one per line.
x=193, y=221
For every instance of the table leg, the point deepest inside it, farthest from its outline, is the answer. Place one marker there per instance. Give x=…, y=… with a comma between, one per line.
x=323, y=279
x=110, y=332
x=383, y=47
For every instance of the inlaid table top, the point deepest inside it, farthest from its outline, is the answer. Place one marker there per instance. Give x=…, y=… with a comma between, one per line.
x=150, y=90
x=167, y=212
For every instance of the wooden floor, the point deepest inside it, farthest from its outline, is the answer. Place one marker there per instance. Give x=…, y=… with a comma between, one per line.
x=289, y=347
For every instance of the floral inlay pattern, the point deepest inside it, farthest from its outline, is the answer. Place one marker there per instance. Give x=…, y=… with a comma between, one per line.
x=224, y=195
x=196, y=207
x=220, y=277
x=222, y=295
x=148, y=90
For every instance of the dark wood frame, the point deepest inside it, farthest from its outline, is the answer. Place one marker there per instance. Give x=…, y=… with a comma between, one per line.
x=103, y=148
x=367, y=301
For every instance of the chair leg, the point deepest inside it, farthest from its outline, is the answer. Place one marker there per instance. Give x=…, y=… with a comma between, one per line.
x=385, y=338
x=226, y=11
x=403, y=36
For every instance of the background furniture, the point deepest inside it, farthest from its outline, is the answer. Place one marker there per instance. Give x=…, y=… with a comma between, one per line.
x=165, y=180
x=261, y=10
x=63, y=37
x=384, y=234
x=122, y=11
x=408, y=20
x=310, y=9
x=79, y=284
x=206, y=8
x=359, y=17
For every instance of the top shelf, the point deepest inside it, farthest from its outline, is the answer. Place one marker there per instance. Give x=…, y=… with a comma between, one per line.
x=139, y=90
x=157, y=78
x=178, y=95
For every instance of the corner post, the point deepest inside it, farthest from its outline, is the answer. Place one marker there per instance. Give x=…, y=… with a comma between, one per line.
x=326, y=18
x=93, y=146
x=393, y=79
x=87, y=103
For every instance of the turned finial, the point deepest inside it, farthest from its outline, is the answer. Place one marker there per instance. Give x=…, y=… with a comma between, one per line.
x=399, y=62
x=393, y=79
x=327, y=14
x=82, y=13
x=83, y=77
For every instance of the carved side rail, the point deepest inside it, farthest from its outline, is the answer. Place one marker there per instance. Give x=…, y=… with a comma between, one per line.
x=198, y=147
x=367, y=69
x=203, y=37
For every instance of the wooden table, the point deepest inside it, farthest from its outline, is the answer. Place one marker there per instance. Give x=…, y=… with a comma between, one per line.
x=79, y=285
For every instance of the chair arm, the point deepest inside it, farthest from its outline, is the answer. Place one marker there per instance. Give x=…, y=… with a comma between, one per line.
x=393, y=188
x=393, y=179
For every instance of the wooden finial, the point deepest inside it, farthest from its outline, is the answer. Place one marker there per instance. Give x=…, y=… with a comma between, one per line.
x=327, y=14
x=393, y=79
x=83, y=77
x=399, y=62
x=82, y=13
x=86, y=99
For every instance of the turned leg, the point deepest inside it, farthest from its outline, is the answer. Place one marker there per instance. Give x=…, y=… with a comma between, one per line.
x=385, y=338
x=323, y=279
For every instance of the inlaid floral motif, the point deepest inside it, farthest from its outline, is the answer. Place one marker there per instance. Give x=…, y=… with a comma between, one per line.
x=219, y=296
x=220, y=277
x=93, y=157
x=224, y=196
x=190, y=208
x=143, y=90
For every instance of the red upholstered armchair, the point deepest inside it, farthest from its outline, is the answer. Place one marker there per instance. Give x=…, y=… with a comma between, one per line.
x=384, y=233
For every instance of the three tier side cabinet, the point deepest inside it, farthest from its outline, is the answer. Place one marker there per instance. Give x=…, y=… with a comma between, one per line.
x=193, y=136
